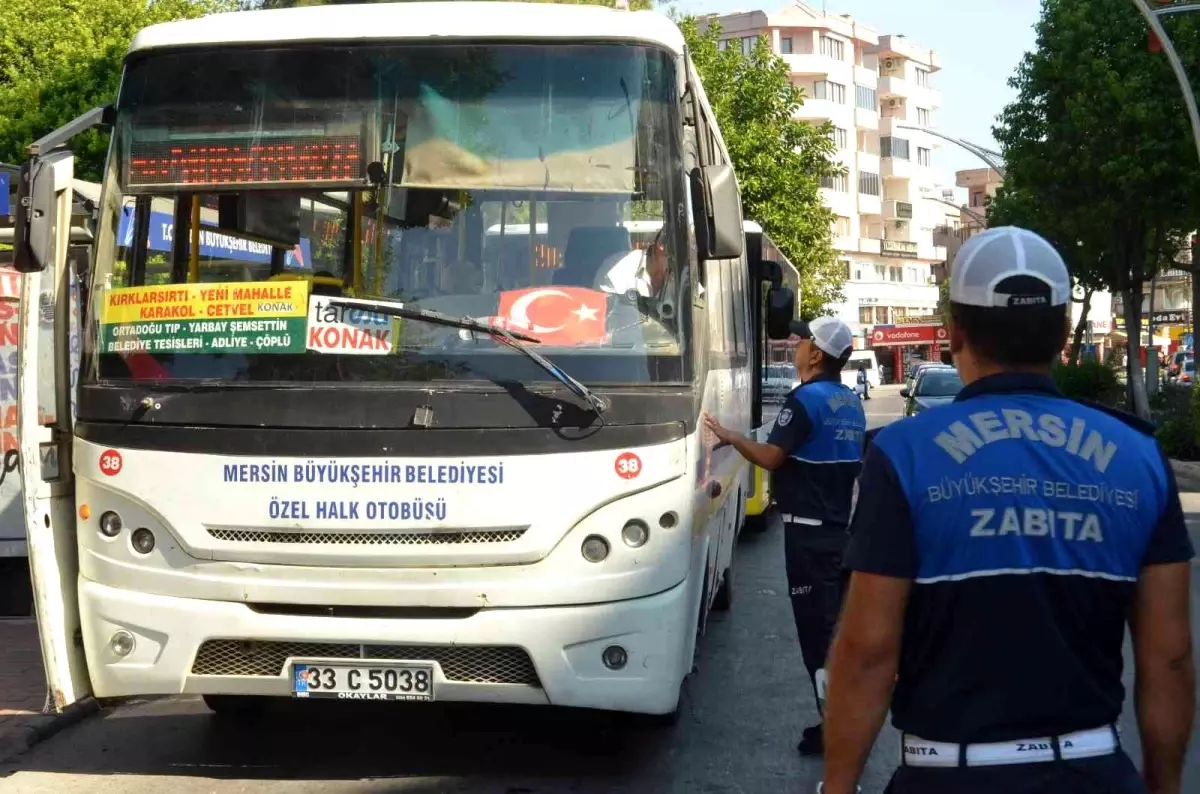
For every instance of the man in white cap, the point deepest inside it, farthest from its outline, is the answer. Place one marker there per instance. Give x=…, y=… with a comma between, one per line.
x=998, y=546
x=814, y=454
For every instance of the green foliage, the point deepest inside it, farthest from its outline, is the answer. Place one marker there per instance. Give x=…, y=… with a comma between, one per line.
x=636, y=5
x=778, y=159
x=1097, y=146
x=1176, y=410
x=60, y=59
x=943, y=304
x=1090, y=380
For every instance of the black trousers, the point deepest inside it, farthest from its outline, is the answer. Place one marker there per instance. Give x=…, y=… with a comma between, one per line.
x=815, y=586
x=1109, y=774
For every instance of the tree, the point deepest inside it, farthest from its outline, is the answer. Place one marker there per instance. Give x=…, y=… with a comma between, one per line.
x=779, y=160
x=61, y=59
x=1097, y=137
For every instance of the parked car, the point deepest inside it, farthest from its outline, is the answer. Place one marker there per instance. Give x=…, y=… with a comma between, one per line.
x=1187, y=373
x=778, y=382
x=920, y=366
x=933, y=386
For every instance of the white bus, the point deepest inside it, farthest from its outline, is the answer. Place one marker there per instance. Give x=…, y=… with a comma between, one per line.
x=406, y=471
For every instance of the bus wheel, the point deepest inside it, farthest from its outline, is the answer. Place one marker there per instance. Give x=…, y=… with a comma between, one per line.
x=240, y=706
x=723, y=600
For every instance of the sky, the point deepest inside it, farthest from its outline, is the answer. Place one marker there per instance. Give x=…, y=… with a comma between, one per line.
x=980, y=42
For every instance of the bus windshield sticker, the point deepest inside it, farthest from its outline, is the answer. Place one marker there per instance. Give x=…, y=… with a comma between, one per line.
x=205, y=318
x=335, y=328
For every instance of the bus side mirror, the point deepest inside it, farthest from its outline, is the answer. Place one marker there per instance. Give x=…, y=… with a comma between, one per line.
x=719, y=231
x=43, y=202
x=781, y=310
x=24, y=259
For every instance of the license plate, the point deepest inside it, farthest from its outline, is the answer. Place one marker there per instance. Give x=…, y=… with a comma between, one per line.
x=363, y=681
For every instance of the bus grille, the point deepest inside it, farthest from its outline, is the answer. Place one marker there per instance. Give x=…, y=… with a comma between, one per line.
x=478, y=664
x=498, y=535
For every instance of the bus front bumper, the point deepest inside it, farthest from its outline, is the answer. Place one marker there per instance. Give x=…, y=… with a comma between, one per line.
x=549, y=655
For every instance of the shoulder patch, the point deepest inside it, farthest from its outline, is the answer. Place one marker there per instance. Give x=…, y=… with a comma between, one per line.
x=785, y=417
x=1141, y=425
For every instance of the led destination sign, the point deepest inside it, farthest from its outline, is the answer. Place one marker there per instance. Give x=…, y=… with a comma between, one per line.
x=246, y=161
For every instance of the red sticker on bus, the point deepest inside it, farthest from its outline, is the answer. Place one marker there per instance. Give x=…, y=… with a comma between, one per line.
x=628, y=465
x=110, y=462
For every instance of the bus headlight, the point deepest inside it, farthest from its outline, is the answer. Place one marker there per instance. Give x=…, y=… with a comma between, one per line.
x=595, y=548
x=110, y=524
x=635, y=533
x=143, y=540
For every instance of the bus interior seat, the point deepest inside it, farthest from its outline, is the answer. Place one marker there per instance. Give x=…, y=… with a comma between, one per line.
x=587, y=248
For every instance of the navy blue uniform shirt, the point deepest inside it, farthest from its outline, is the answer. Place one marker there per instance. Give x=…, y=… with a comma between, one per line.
x=821, y=427
x=1023, y=519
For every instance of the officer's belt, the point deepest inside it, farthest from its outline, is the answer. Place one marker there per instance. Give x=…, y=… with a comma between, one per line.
x=788, y=518
x=1081, y=744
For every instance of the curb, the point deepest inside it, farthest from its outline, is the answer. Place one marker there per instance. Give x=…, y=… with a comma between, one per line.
x=43, y=726
x=1187, y=474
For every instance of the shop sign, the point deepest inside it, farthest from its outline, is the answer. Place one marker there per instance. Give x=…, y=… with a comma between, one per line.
x=903, y=335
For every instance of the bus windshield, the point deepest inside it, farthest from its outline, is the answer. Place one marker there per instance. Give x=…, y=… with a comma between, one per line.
x=509, y=184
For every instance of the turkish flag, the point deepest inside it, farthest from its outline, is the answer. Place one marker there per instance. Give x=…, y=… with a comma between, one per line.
x=556, y=315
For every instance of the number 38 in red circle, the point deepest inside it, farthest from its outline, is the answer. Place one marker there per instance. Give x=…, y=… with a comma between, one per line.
x=628, y=465
x=110, y=462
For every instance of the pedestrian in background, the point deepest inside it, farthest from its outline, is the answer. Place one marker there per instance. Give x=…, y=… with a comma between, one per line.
x=814, y=453
x=998, y=545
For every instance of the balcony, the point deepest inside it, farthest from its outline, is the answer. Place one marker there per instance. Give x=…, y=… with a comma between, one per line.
x=897, y=168
x=897, y=210
x=866, y=77
x=818, y=110
x=868, y=246
x=869, y=205
x=894, y=86
x=816, y=64
x=865, y=119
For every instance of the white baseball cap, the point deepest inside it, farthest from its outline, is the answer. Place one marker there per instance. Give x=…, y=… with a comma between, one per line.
x=829, y=334
x=1009, y=267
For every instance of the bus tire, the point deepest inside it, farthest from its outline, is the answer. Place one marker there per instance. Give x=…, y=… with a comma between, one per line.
x=723, y=600
x=238, y=706
x=760, y=523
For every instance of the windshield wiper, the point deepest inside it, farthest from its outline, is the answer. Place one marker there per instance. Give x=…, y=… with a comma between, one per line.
x=513, y=339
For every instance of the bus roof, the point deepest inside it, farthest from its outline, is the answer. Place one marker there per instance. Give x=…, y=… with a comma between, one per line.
x=400, y=21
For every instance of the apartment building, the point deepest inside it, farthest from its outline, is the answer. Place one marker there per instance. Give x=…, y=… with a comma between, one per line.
x=878, y=92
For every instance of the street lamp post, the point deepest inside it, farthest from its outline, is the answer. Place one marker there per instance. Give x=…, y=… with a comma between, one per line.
x=1189, y=101
x=993, y=159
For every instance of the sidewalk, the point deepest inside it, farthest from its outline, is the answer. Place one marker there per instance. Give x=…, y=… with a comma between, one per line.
x=22, y=687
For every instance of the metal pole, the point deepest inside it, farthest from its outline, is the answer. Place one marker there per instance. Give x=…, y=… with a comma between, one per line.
x=987, y=155
x=1189, y=100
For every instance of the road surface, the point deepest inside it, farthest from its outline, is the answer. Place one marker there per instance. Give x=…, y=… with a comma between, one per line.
x=743, y=712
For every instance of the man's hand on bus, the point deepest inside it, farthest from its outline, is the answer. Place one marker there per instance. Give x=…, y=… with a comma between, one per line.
x=767, y=456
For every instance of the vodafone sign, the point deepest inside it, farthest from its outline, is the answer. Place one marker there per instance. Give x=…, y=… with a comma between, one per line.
x=900, y=335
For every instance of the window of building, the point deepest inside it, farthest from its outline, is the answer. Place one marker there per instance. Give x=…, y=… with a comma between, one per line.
x=723, y=44
x=880, y=272
x=924, y=117
x=785, y=45
x=866, y=315
x=881, y=315
x=977, y=198
x=858, y=272
x=895, y=273
x=868, y=183
x=891, y=146
x=748, y=43
x=866, y=98
x=922, y=77
x=846, y=269
x=833, y=48
x=913, y=278
x=924, y=157
x=841, y=226
x=868, y=141
x=834, y=92
x=840, y=138
x=838, y=183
